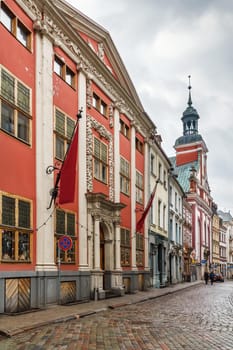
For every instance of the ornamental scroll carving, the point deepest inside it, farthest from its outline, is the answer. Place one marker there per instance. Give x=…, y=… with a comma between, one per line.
x=89, y=93
x=104, y=133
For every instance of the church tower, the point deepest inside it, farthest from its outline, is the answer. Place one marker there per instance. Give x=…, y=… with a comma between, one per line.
x=190, y=145
x=190, y=165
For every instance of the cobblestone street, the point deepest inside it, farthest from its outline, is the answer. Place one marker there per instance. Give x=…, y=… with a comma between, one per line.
x=197, y=318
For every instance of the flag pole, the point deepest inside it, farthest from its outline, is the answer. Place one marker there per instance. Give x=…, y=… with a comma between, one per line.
x=50, y=169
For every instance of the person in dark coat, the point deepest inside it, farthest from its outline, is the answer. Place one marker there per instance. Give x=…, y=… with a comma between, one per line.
x=206, y=277
x=211, y=277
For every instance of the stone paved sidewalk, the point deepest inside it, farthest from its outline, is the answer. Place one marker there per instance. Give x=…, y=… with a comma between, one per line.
x=12, y=325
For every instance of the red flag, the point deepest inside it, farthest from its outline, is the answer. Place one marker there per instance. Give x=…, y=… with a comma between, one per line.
x=146, y=210
x=68, y=172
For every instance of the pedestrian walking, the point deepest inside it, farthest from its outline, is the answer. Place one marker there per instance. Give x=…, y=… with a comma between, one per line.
x=206, y=277
x=211, y=277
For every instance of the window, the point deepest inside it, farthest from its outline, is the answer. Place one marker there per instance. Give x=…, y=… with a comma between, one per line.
x=139, y=187
x=15, y=26
x=64, y=127
x=15, y=102
x=15, y=229
x=124, y=176
x=99, y=105
x=138, y=145
x=165, y=179
x=103, y=108
x=65, y=225
x=176, y=201
x=139, y=249
x=61, y=69
x=164, y=217
x=159, y=213
x=152, y=164
x=160, y=171
x=100, y=160
x=125, y=247
x=124, y=129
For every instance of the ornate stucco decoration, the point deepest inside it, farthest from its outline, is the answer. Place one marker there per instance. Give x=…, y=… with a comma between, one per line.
x=111, y=111
x=101, y=51
x=47, y=26
x=104, y=133
x=33, y=8
x=89, y=93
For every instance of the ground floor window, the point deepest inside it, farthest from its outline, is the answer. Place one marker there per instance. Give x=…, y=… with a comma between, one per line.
x=65, y=226
x=139, y=249
x=125, y=247
x=15, y=229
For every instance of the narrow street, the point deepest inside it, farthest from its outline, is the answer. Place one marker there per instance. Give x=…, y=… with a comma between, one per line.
x=198, y=318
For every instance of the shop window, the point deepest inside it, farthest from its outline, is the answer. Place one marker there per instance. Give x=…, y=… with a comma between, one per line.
x=64, y=127
x=100, y=156
x=15, y=229
x=65, y=225
x=125, y=247
x=15, y=26
x=15, y=102
x=124, y=176
x=61, y=69
x=139, y=187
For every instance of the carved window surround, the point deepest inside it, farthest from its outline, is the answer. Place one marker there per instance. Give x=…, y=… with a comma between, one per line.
x=103, y=132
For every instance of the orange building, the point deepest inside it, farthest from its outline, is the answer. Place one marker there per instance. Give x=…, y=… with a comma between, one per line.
x=56, y=64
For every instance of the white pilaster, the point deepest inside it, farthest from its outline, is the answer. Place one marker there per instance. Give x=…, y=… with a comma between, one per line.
x=97, y=244
x=147, y=191
x=116, y=155
x=133, y=197
x=118, y=247
x=82, y=182
x=44, y=153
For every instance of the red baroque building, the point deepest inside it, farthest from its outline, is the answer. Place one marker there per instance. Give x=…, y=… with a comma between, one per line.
x=190, y=165
x=55, y=62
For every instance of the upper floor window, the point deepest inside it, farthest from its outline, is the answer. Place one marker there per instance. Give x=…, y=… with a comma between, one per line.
x=15, y=102
x=124, y=129
x=152, y=164
x=15, y=26
x=61, y=69
x=15, y=229
x=65, y=225
x=165, y=179
x=176, y=208
x=124, y=176
x=160, y=171
x=100, y=156
x=139, y=187
x=99, y=104
x=159, y=213
x=138, y=145
x=64, y=127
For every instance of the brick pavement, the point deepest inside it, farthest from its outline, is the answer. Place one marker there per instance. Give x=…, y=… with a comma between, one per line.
x=12, y=325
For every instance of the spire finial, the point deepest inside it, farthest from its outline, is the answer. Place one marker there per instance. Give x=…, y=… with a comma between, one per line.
x=189, y=87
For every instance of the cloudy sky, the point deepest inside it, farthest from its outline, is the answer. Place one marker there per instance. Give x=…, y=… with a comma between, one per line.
x=161, y=43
